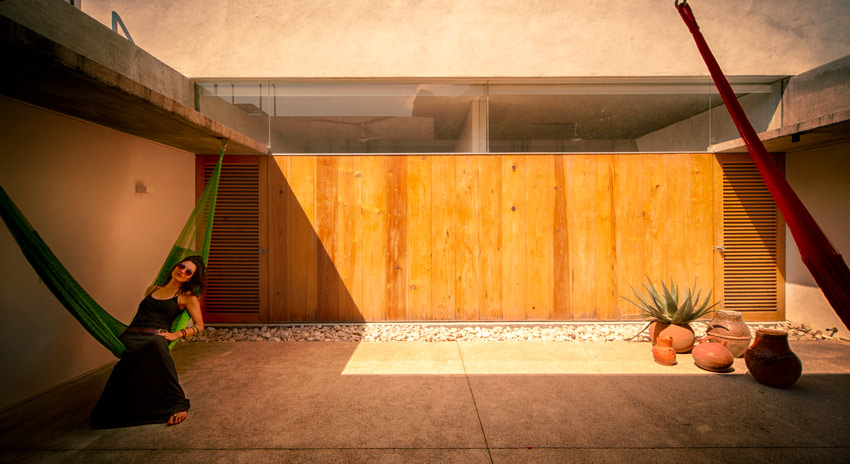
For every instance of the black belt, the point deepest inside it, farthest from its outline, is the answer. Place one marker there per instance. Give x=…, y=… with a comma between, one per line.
x=144, y=330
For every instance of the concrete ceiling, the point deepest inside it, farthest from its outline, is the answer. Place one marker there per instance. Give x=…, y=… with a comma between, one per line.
x=818, y=132
x=50, y=75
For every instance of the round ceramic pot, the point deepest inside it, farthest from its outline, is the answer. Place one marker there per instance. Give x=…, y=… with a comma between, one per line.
x=663, y=351
x=682, y=335
x=730, y=326
x=712, y=355
x=771, y=361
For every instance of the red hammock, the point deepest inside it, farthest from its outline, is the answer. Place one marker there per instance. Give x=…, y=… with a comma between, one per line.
x=823, y=260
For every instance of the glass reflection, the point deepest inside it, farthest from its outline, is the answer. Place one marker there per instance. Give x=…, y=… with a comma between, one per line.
x=375, y=118
x=663, y=115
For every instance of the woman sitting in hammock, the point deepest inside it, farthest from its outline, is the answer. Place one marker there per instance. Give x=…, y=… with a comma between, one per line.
x=143, y=386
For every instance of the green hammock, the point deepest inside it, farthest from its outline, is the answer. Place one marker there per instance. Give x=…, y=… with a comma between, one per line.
x=193, y=240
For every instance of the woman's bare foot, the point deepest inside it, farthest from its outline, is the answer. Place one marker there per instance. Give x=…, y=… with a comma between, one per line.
x=177, y=418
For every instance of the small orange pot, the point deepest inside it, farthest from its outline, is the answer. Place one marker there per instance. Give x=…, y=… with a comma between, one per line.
x=663, y=351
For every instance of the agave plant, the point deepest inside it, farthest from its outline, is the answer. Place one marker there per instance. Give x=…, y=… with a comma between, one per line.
x=665, y=307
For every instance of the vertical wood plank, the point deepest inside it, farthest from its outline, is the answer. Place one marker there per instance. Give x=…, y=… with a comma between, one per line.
x=582, y=207
x=375, y=238
x=348, y=252
x=419, y=237
x=466, y=237
x=442, y=238
x=653, y=249
x=514, y=254
x=279, y=194
x=397, y=237
x=561, y=305
x=700, y=213
x=674, y=230
x=327, y=282
x=303, y=241
x=630, y=188
x=605, y=234
x=490, y=238
x=539, y=225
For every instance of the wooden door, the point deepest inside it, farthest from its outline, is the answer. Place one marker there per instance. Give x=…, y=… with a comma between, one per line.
x=236, y=277
x=750, y=241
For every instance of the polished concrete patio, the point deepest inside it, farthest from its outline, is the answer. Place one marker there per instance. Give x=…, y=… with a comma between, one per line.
x=464, y=402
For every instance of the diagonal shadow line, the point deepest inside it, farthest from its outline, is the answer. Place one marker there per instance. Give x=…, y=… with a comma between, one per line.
x=474, y=403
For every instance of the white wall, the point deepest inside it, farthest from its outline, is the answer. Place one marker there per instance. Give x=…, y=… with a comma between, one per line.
x=821, y=177
x=474, y=38
x=75, y=182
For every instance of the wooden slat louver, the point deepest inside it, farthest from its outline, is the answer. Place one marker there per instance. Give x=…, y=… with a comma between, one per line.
x=233, y=280
x=753, y=238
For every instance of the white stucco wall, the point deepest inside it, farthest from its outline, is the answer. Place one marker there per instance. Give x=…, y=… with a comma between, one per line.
x=75, y=182
x=821, y=177
x=479, y=38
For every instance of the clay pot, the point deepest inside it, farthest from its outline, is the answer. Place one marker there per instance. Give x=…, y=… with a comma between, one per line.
x=771, y=361
x=663, y=351
x=730, y=326
x=712, y=355
x=682, y=335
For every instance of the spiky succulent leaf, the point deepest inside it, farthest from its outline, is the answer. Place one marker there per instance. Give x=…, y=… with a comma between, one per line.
x=685, y=311
x=665, y=306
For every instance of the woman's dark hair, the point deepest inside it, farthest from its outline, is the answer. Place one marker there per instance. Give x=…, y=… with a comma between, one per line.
x=197, y=282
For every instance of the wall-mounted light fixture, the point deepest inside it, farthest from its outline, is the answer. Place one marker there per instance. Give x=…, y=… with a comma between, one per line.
x=142, y=188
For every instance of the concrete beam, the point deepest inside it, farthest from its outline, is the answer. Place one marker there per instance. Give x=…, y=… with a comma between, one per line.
x=815, y=112
x=45, y=73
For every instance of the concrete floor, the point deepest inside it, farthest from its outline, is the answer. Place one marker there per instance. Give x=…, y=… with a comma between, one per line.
x=465, y=402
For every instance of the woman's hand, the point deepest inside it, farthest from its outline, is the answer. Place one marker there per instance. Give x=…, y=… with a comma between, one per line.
x=170, y=336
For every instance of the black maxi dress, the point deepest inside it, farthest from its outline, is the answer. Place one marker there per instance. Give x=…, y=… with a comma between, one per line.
x=143, y=386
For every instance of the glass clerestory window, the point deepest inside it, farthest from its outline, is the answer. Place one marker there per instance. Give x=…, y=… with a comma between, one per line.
x=664, y=115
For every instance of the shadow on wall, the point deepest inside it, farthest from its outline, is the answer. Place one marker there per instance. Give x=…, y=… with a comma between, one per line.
x=305, y=284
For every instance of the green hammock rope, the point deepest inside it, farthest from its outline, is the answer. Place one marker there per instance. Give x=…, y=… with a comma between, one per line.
x=194, y=239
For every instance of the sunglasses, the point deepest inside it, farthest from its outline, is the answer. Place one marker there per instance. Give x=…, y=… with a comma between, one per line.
x=183, y=267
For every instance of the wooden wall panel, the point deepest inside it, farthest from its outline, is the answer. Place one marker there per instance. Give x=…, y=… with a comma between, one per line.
x=302, y=242
x=466, y=251
x=561, y=295
x=514, y=250
x=581, y=206
x=605, y=241
x=630, y=198
x=397, y=224
x=443, y=297
x=279, y=232
x=419, y=239
x=490, y=238
x=374, y=238
x=484, y=237
x=539, y=227
x=348, y=258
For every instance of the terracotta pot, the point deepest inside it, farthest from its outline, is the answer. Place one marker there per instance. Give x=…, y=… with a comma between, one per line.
x=682, y=335
x=712, y=355
x=663, y=351
x=730, y=326
x=771, y=361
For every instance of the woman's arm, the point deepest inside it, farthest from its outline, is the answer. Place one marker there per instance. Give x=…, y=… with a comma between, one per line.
x=193, y=305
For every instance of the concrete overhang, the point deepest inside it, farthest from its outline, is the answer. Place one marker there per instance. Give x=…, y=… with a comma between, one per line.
x=815, y=112
x=48, y=74
x=805, y=135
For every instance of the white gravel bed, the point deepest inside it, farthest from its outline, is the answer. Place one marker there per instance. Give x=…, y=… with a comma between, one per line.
x=409, y=332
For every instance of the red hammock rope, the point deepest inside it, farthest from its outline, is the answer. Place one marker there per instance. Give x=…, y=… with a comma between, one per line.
x=823, y=260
